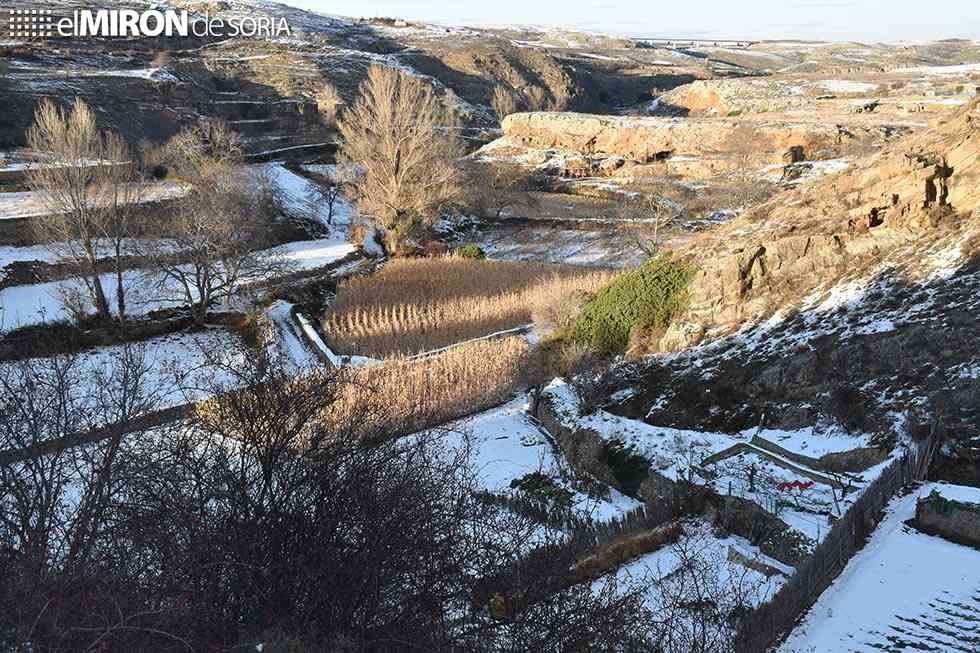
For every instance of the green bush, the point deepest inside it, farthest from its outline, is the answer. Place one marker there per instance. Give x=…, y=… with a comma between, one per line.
x=469, y=251
x=628, y=466
x=541, y=489
x=649, y=296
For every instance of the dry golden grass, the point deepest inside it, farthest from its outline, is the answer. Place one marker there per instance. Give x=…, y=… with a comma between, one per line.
x=404, y=395
x=416, y=305
x=620, y=551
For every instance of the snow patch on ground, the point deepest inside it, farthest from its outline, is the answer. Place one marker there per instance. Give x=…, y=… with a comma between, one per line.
x=506, y=445
x=892, y=589
x=847, y=86
x=30, y=204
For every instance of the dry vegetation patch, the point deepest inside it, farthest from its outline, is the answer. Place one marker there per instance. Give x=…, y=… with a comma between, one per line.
x=404, y=395
x=416, y=305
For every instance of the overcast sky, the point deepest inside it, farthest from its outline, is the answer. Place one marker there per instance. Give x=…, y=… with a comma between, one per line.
x=862, y=20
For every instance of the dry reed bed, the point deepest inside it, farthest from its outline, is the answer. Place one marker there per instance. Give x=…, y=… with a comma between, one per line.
x=416, y=305
x=402, y=396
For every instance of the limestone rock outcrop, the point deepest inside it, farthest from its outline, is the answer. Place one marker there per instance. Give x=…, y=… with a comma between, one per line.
x=645, y=140
x=892, y=206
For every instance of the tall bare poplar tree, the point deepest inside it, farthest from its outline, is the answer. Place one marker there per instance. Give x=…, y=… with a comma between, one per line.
x=403, y=141
x=90, y=187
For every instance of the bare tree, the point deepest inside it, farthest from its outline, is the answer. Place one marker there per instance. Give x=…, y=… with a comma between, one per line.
x=500, y=187
x=204, y=151
x=330, y=194
x=214, y=244
x=505, y=102
x=702, y=599
x=404, y=142
x=329, y=103
x=91, y=189
x=57, y=506
x=643, y=220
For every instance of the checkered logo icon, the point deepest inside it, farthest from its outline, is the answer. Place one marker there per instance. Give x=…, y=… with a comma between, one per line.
x=29, y=23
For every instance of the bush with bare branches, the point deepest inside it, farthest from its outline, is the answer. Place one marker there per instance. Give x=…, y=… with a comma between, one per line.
x=250, y=525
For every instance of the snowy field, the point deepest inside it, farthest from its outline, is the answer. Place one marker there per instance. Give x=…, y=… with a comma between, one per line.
x=549, y=244
x=31, y=304
x=175, y=367
x=904, y=591
x=25, y=305
x=30, y=204
x=847, y=86
x=701, y=546
x=506, y=445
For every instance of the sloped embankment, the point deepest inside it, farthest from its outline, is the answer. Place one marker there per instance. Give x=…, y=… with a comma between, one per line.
x=897, y=208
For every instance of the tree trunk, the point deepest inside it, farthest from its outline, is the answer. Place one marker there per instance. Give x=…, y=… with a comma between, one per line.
x=98, y=292
x=101, y=303
x=120, y=291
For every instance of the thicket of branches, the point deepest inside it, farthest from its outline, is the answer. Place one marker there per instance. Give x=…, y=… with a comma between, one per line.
x=250, y=523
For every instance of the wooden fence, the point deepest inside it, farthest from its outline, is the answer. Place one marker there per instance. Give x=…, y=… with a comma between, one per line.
x=769, y=623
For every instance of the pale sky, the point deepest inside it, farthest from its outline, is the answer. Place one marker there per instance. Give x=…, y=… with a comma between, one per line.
x=860, y=20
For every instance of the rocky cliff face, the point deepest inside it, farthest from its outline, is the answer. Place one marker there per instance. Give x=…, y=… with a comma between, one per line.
x=890, y=209
x=643, y=140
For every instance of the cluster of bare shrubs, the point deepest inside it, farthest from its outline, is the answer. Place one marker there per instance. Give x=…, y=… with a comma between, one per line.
x=253, y=523
x=415, y=305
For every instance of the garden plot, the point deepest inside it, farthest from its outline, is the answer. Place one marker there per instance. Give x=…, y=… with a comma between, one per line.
x=53, y=253
x=507, y=448
x=904, y=591
x=784, y=488
x=807, y=505
x=417, y=305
